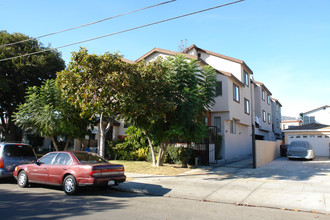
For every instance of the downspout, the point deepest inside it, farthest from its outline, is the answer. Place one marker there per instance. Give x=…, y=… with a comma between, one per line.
x=254, y=156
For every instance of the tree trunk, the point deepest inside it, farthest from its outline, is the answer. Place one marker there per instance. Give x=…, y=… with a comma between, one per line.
x=67, y=143
x=161, y=154
x=102, y=134
x=54, y=142
x=152, y=151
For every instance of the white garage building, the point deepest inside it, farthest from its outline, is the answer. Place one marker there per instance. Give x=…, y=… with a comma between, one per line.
x=318, y=135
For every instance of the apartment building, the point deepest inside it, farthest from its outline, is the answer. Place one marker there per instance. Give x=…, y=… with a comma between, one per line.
x=240, y=102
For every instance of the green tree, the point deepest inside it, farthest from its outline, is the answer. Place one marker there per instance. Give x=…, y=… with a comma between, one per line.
x=181, y=95
x=47, y=114
x=93, y=83
x=16, y=75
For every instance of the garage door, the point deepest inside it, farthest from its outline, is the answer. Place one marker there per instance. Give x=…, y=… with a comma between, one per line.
x=320, y=143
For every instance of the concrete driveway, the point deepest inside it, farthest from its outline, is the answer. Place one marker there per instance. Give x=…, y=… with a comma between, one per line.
x=282, y=183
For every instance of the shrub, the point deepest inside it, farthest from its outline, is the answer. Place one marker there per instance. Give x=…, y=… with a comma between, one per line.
x=179, y=155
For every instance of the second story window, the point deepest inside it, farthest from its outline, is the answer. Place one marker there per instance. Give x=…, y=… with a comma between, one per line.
x=246, y=78
x=236, y=93
x=269, y=119
x=218, y=88
x=268, y=99
x=263, y=95
x=247, y=106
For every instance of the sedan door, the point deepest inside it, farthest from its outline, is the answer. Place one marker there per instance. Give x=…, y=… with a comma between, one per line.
x=58, y=168
x=39, y=172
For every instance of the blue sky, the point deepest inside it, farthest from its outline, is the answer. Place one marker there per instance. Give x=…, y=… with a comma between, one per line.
x=285, y=43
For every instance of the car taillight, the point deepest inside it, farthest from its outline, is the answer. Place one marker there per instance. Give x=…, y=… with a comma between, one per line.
x=1, y=162
x=98, y=173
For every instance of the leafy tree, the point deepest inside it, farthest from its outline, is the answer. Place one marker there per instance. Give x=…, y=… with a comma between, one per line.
x=92, y=83
x=47, y=114
x=180, y=98
x=16, y=75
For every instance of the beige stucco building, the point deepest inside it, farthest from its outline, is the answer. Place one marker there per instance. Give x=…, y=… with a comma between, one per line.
x=239, y=104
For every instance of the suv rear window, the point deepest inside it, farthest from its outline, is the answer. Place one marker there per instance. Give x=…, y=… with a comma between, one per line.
x=13, y=150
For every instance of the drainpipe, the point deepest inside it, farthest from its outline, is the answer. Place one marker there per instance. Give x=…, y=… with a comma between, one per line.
x=254, y=157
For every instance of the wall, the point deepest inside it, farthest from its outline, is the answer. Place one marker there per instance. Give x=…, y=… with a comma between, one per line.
x=267, y=151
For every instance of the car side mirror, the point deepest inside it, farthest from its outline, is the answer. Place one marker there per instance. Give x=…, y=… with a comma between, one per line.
x=37, y=162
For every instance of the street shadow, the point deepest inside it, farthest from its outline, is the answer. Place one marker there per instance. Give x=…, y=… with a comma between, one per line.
x=27, y=205
x=145, y=188
x=52, y=203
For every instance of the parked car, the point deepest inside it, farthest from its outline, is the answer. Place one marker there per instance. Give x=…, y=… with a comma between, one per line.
x=300, y=149
x=13, y=154
x=70, y=170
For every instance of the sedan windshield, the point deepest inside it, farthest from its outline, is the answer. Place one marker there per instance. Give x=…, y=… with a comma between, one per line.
x=89, y=158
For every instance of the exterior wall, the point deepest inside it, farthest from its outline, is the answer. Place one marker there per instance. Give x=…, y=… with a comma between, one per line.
x=265, y=127
x=267, y=151
x=322, y=115
x=239, y=144
x=276, y=120
x=222, y=102
x=288, y=124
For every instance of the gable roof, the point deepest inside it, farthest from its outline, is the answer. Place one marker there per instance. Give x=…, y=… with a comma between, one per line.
x=127, y=61
x=276, y=101
x=169, y=52
x=263, y=86
x=312, y=126
x=319, y=108
x=221, y=56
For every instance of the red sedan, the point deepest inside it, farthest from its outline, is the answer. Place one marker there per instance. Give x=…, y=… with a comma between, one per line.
x=71, y=170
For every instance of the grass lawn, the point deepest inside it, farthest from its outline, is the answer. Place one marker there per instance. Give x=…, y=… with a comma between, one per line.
x=147, y=168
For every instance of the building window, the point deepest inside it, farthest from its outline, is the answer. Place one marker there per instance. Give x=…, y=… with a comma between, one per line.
x=269, y=118
x=277, y=123
x=217, y=124
x=263, y=95
x=233, y=126
x=263, y=116
x=218, y=88
x=236, y=93
x=247, y=106
x=309, y=119
x=268, y=99
x=246, y=79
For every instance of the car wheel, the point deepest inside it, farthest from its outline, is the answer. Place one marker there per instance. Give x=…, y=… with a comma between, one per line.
x=22, y=179
x=70, y=185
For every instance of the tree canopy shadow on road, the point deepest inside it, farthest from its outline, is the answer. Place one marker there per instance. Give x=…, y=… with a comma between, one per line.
x=28, y=204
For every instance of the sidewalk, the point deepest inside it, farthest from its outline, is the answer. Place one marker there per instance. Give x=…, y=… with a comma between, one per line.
x=283, y=184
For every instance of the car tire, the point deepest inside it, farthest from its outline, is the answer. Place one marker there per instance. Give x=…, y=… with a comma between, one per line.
x=70, y=186
x=22, y=179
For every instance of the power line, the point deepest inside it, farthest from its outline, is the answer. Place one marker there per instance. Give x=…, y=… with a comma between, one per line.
x=127, y=30
x=84, y=25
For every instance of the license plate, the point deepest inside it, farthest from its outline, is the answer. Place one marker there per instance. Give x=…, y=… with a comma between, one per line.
x=111, y=183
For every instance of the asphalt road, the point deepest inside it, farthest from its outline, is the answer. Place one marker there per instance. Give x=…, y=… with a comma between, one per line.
x=44, y=202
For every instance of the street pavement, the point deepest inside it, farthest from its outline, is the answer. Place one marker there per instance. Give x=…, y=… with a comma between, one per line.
x=296, y=185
